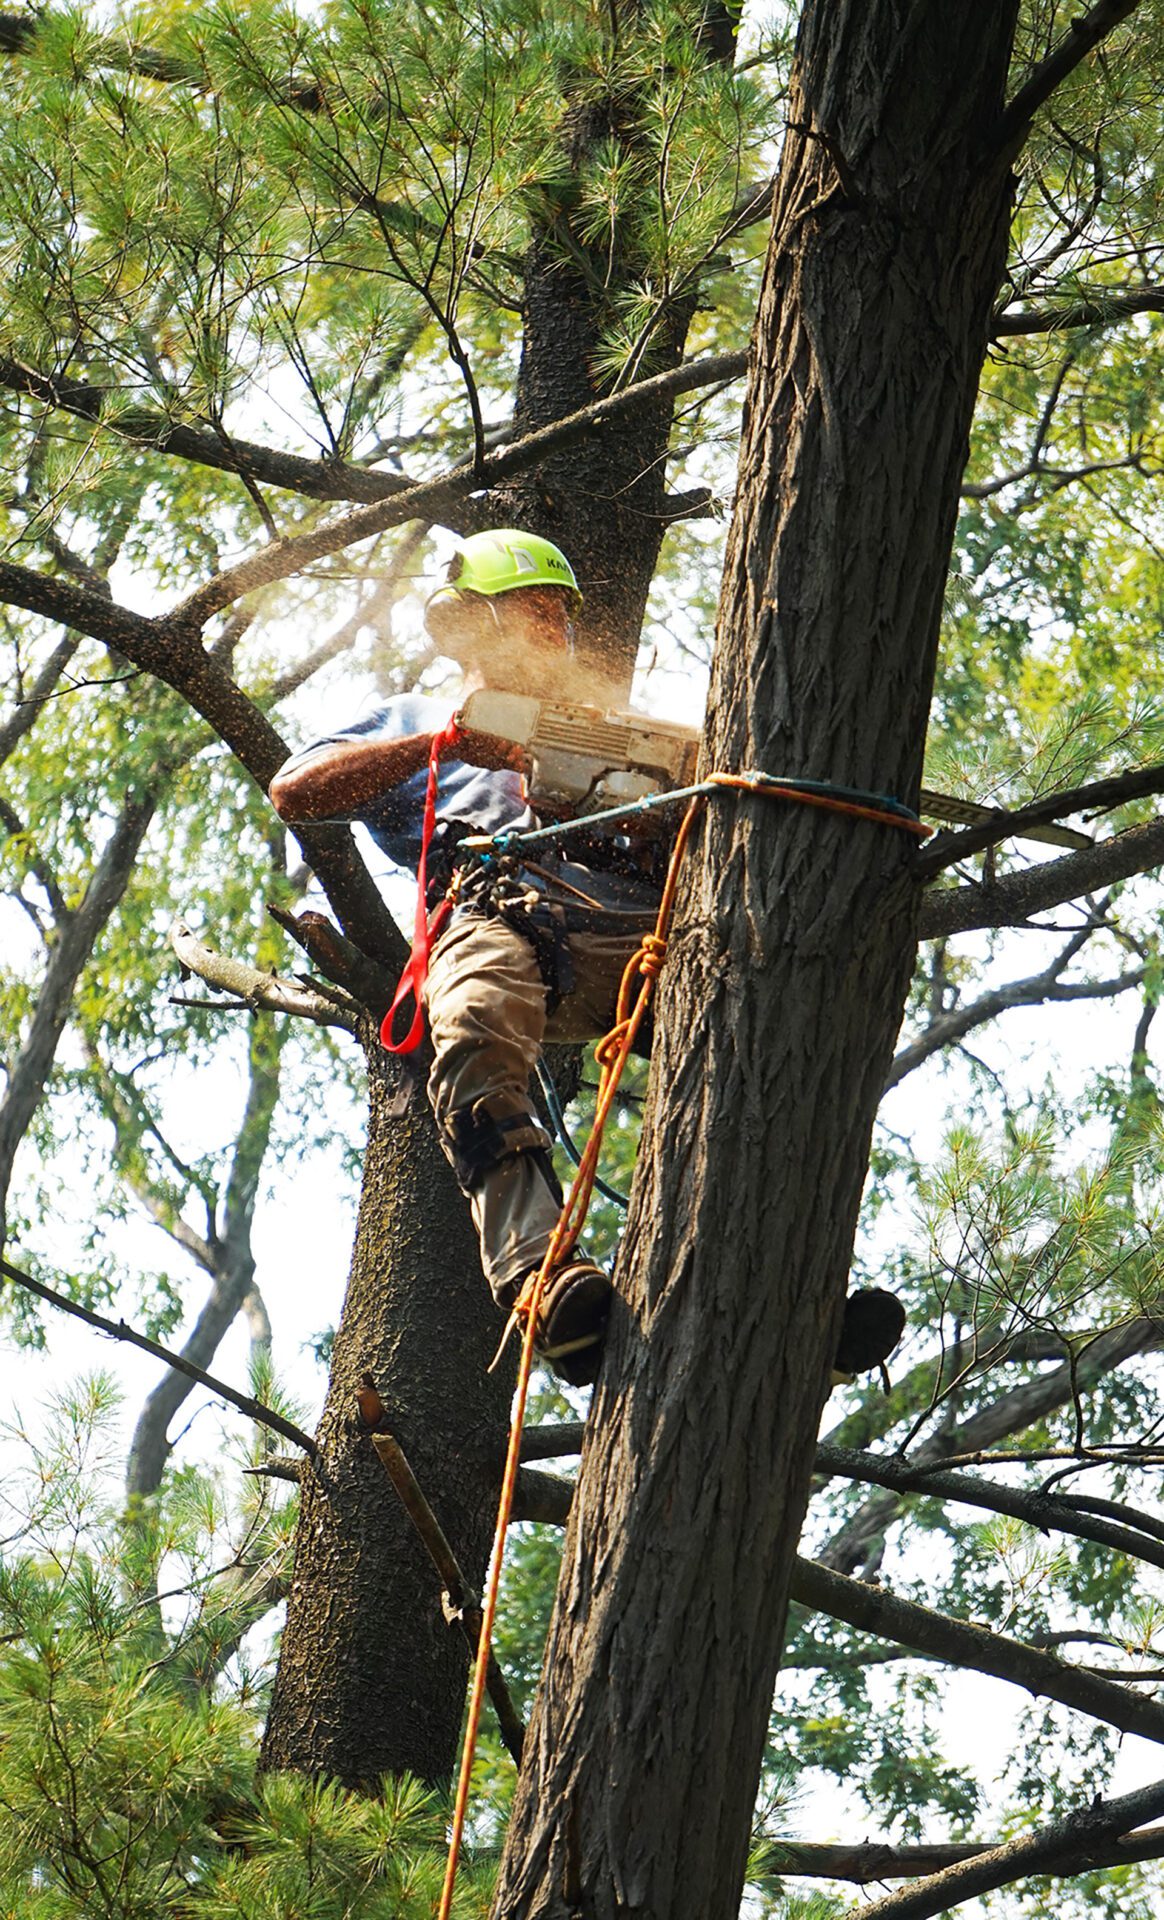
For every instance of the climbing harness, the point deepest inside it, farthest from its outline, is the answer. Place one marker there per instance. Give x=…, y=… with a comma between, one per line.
x=858, y=804
x=611, y=1054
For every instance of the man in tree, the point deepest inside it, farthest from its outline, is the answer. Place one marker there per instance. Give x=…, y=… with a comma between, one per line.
x=532, y=951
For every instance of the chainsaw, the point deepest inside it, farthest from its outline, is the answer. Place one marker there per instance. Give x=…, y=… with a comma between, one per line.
x=584, y=759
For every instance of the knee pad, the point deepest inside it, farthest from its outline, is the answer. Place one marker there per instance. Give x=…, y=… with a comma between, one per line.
x=481, y=1138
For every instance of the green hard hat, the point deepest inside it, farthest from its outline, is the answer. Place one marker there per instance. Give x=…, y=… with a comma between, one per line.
x=505, y=558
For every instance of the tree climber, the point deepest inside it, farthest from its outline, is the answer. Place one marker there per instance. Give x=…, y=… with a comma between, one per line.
x=537, y=957
x=527, y=956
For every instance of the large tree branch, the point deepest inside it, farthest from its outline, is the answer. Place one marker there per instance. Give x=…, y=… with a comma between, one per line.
x=254, y=988
x=1097, y=309
x=1009, y=901
x=870, y=1860
x=1096, y=796
x=875, y=1610
x=1035, y=991
x=1084, y=34
x=435, y=499
x=172, y=650
x=114, y=412
x=1047, y=1512
x=1076, y=1844
x=1010, y=1413
x=392, y=499
x=547, y=1498
x=461, y=1604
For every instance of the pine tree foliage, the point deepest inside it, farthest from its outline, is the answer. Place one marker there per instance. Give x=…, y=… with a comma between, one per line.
x=131, y=1702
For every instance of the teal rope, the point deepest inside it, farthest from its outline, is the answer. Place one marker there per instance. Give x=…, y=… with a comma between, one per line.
x=486, y=843
x=550, y=1095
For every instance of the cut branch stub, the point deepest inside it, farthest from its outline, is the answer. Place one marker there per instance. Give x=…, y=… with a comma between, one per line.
x=262, y=992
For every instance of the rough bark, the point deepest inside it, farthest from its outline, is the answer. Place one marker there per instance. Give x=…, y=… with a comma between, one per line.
x=602, y=500
x=605, y=500
x=787, y=978
x=371, y=1680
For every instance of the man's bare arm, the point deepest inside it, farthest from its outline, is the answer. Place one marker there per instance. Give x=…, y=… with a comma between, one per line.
x=348, y=776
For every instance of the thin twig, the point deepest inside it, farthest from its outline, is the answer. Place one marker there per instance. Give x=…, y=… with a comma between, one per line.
x=120, y=1330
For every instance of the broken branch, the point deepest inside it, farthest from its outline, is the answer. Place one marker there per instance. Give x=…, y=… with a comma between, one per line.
x=462, y=1603
x=255, y=989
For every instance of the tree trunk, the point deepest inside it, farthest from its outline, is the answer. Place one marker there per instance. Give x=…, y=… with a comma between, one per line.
x=418, y=1315
x=787, y=975
x=371, y=1680
x=604, y=500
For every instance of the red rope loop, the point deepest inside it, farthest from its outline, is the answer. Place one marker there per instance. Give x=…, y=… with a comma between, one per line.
x=425, y=932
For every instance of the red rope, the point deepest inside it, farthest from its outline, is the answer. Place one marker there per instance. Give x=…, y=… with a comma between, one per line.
x=425, y=932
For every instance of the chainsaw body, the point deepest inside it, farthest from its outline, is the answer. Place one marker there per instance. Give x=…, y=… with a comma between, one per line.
x=584, y=758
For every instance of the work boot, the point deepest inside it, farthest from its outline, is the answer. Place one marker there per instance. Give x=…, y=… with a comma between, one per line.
x=874, y=1323
x=572, y=1317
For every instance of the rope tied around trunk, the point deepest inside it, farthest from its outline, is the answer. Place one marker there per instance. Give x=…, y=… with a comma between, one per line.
x=611, y=1054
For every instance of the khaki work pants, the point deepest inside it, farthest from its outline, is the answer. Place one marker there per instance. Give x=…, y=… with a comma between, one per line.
x=486, y=1003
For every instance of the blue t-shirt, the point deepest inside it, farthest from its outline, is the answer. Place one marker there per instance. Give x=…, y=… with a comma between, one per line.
x=466, y=796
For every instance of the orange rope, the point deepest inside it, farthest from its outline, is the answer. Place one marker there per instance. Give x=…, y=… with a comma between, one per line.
x=611, y=1054
x=805, y=797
